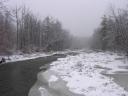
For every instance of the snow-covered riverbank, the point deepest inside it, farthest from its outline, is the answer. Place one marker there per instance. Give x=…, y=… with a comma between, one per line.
x=84, y=74
x=22, y=57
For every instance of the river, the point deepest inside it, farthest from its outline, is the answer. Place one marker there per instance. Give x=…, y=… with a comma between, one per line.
x=16, y=78
x=23, y=77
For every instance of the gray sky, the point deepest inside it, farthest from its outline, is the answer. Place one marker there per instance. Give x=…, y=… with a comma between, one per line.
x=80, y=17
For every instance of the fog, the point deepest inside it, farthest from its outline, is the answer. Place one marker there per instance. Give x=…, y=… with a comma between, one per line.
x=80, y=17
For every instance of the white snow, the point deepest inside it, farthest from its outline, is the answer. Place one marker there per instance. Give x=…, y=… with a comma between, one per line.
x=26, y=57
x=44, y=92
x=21, y=57
x=53, y=78
x=83, y=73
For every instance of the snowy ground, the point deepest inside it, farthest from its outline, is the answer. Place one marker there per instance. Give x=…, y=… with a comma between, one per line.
x=18, y=57
x=21, y=57
x=83, y=73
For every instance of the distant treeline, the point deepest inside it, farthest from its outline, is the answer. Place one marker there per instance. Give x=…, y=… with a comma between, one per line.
x=21, y=30
x=112, y=34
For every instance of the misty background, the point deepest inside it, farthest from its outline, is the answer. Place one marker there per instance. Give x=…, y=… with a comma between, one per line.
x=80, y=17
x=45, y=25
x=34, y=33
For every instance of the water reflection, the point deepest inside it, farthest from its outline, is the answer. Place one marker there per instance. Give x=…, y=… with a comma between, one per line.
x=17, y=78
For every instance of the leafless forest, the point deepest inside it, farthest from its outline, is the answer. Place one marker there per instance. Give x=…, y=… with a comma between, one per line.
x=40, y=56
x=24, y=31
x=112, y=34
x=21, y=30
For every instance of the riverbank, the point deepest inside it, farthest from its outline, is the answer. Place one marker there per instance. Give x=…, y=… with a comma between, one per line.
x=83, y=75
x=22, y=56
x=121, y=78
x=16, y=78
x=82, y=72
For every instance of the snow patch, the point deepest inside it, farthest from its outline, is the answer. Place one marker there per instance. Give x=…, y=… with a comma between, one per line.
x=83, y=77
x=53, y=78
x=22, y=57
x=44, y=92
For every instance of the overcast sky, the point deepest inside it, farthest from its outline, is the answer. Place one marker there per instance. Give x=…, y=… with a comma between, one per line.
x=80, y=17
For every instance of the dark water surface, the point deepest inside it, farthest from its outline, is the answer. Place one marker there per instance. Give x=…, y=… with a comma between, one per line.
x=16, y=78
x=121, y=78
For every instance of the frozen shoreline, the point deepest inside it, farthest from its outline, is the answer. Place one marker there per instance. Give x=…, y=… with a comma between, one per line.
x=121, y=78
x=84, y=77
x=84, y=72
x=22, y=57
